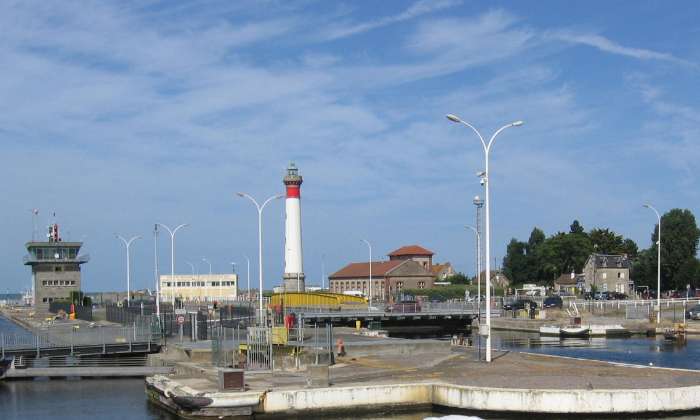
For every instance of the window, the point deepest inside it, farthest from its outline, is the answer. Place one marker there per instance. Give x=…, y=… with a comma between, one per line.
x=620, y=275
x=605, y=276
x=57, y=268
x=44, y=283
x=72, y=282
x=44, y=300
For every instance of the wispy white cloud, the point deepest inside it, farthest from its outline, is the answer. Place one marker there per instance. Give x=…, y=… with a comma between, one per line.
x=130, y=113
x=607, y=45
x=417, y=9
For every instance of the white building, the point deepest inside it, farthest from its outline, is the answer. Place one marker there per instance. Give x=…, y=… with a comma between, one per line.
x=202, y=288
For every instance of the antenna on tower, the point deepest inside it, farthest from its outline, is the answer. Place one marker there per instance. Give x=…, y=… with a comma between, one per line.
x=35, y=213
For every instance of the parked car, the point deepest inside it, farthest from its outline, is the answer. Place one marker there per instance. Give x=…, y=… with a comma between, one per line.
x=617, y=296
x=519, y=304
x=693, y=312
x=588, y=296
x=553, y=302
x=405, y=307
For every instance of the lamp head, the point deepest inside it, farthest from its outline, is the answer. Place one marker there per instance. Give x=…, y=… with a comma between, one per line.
x=646, y=205
x=517, y=123
x=453, y=118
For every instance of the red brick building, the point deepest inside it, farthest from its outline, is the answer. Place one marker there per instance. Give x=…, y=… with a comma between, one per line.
x=409, y=267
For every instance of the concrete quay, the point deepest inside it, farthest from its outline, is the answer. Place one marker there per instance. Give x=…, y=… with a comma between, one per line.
x=442, y=377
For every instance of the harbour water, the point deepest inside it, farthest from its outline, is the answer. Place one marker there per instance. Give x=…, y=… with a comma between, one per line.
x=125, y=398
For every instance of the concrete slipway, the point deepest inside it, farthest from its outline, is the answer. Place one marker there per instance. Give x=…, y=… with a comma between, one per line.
x=514, y=382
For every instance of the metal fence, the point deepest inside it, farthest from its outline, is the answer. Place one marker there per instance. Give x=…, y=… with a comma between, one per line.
x=637, y=311
x=70, y=336
x=197, y=325
x=259, y=349
x=226, y=343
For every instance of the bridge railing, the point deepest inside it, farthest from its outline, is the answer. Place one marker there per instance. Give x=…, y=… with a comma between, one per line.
x=68, y=336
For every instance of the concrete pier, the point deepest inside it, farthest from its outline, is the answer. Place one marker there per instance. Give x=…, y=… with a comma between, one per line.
x=514, y=382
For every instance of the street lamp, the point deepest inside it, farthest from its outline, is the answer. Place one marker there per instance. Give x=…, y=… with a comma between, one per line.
x=370, y=272
x=233, y=268
x=193, y=275
x=487, y=202
x=478, y=269
x=172, y=255
x=247, y=261
x=260, y=264
x=127, y=244
x=206, y=290
x=658, y=267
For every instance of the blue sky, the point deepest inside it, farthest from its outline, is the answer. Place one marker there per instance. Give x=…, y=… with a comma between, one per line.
x=117, y=115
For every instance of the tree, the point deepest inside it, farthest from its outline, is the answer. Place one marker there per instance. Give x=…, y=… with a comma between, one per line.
x=688, y=274
x=459, y=278
x=679, y=243
x=630, y=248
x=563, y=253
x=515, y=263
x=576, y=227
x=534, y=270
x=605, y=241
x=537, y=237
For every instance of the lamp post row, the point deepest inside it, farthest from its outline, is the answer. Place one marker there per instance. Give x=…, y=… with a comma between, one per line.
x=486, y=181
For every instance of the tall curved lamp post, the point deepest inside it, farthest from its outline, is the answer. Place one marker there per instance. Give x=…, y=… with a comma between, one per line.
x=487, y=202
x=260, y=263
x=247, y=261
x=127, y=244
x=370, y=273
x=206, y=289
x=193, y=272
x=478, y=270
x=658, y=264
x=172, y=233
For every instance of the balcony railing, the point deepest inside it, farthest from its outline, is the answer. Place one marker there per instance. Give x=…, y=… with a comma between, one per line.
x=31, y=259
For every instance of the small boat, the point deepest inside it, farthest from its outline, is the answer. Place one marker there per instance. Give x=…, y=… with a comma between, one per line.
x=550, y=330
x=608, y=330
x=575, y=331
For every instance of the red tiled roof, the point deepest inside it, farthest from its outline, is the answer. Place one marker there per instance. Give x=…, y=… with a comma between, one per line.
x=565, y=279
x=411, y=250
x=354, y=270
x=437, y=268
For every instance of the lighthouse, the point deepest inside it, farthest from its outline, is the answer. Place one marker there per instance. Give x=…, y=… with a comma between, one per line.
x=293, y=258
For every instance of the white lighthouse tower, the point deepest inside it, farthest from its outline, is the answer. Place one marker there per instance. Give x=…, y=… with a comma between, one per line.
x=293, y=258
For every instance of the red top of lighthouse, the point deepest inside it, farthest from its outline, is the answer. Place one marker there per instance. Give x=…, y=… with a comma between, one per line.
x=293, y=181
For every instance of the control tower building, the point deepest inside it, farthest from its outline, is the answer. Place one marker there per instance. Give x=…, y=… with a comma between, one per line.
x=55, y=268
x=293, y=257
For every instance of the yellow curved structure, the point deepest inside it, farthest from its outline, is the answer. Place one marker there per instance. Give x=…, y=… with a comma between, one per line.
x=296, y=299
